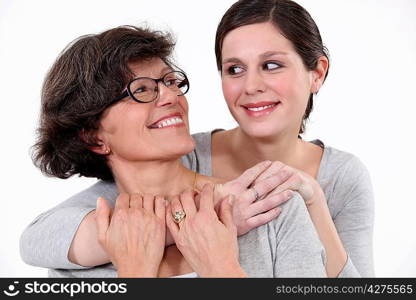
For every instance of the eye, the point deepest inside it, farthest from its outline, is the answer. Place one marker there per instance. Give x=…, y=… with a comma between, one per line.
x=140, y=89
x=171, y=81
x=271, y=65
x=234, y=70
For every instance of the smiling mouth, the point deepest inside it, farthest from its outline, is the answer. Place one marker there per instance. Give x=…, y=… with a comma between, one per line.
x=167, y=122
x=260, y=107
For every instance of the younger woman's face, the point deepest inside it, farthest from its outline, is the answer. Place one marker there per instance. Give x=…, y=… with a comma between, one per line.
x=264, y=81
x=156, y=130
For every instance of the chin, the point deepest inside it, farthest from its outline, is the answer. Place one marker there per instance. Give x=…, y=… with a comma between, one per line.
x=186, y=145
x=262, y=130
x=179, y=145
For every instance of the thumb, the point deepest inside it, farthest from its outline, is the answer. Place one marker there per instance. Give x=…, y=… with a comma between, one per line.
x=102, y=218
x=226, y=215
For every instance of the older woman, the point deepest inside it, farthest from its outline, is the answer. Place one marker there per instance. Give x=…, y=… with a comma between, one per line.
x=113, y=107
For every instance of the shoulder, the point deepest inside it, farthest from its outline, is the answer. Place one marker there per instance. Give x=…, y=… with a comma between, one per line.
x=199, y=159
x=341, y=166
x=345, y=180
x=203, y=139
x=293, y=211
x=106, y=189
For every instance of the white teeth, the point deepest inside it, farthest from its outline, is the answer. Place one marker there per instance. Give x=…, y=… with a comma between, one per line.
x=260, y=108
x=168, y=122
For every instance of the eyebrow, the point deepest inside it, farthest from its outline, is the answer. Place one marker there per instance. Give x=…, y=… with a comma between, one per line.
x=263, y=56
x=272, y=53
x=165, y=70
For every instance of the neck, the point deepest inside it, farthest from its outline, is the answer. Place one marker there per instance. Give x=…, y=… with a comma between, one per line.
x=164, y=178
x=287, y=148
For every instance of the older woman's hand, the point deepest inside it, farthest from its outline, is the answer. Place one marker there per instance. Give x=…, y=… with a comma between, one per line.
x=134, y=234
x=249, y=188
x=207, y=241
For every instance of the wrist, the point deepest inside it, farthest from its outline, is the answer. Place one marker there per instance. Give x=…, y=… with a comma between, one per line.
x=318, y=199
x=138, y=271
x=230, y=270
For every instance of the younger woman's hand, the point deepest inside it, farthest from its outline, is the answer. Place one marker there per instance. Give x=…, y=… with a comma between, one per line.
x=253, y=204
x=208, y=242
x=295, y=180
x=134, y=234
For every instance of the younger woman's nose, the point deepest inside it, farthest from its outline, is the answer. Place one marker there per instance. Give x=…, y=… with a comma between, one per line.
x=254, y=83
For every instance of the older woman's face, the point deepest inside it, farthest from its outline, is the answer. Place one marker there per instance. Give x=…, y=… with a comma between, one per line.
x=148, y=131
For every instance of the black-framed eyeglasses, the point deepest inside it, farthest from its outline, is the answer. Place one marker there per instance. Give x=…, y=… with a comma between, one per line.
x=145, y=89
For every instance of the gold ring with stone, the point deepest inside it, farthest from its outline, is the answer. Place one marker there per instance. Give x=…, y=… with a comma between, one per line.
x=178, y=216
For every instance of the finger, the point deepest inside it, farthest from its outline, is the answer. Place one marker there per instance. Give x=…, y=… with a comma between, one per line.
x=160, y=207
x=250, y=175
x=148, y=202
x=170, y=223
x=264, y=187
x=207, y=198
x=268, y=203
x=226, y=215
x=263, y=218
x=292, y=183
x=176, y=206
x=280, y=176
x=123, y=201
x=102, y=218
x=197, y=199
x=274, y=168
x=188, y=203
x=136, y=201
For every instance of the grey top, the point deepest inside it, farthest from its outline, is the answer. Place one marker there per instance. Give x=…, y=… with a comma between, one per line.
x=348, y=191
x=287, y=246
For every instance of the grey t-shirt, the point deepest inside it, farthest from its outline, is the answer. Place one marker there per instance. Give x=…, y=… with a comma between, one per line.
x=287, y=246
x=349, y=194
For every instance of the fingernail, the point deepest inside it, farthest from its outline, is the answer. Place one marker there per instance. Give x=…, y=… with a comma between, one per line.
x=231, y=199
x=98, y=201
x=267, y=162
x=289, y=194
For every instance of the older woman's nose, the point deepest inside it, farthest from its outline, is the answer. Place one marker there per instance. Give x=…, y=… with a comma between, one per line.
x=166, y=96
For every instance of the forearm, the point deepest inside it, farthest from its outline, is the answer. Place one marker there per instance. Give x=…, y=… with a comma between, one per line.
x=85, y=249
x=335, y=252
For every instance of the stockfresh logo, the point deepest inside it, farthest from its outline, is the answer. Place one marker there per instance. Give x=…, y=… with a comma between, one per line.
x=11, y=289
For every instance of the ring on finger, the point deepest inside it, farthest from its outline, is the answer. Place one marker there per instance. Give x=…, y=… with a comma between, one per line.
x=178, y=216
x=256, y=194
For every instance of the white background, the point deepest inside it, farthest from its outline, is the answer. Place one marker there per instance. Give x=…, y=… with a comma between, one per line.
x=366, y=106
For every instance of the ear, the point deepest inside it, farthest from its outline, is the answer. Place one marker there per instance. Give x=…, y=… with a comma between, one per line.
x=94, y=142
x=318, y=75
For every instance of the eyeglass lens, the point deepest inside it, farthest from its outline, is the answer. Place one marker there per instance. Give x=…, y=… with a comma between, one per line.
x=146, y=89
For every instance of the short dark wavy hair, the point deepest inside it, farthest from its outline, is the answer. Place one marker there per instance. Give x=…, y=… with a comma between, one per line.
x=86, y=76
x=294, y=22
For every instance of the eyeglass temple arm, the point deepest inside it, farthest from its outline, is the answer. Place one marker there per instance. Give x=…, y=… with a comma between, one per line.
x=125, y=94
